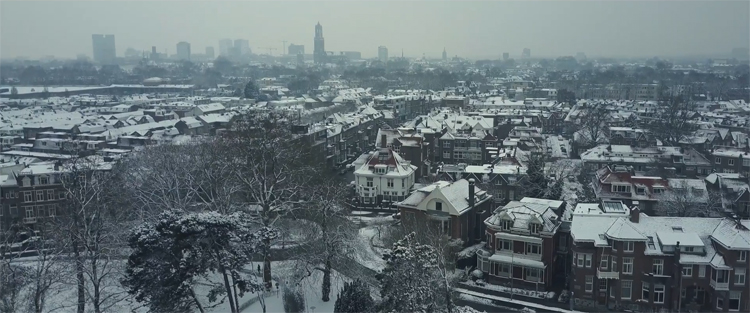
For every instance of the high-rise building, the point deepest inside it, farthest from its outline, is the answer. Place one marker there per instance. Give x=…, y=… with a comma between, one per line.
x=210, y=52
x=104, y=48
x=300, y=59
x=296, y=49
x=241, y=47
x=154, y=54
x=506, y=56
x=383, y=54
x=445, y=55
x=225, y=46
x=526, y=53
x=183, y=50
x=319, y=48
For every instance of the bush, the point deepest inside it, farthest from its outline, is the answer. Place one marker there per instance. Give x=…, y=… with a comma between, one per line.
x=293, y=300
x=355, y=297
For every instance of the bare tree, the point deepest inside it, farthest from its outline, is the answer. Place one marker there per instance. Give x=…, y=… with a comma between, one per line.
x=47, y=271
x=592, y=123
x=90, y=226
x=272, y=167
x=13, y=277
x=672, y=120
x=684, y=199
x=326, y=207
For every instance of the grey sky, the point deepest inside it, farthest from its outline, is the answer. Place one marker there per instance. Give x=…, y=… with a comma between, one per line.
x=470, y=29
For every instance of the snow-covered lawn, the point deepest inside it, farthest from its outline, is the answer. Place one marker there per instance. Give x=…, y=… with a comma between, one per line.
x=295, y=232
x=367, y=255
x=310, y=288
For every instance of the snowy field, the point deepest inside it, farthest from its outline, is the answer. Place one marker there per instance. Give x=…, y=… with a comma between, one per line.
x=370, y=256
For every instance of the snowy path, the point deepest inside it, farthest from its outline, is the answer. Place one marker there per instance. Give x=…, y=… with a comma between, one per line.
x=530, y=305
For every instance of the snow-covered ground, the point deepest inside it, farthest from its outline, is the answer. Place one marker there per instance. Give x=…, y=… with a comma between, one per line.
x=368, y=255
x=559, y=148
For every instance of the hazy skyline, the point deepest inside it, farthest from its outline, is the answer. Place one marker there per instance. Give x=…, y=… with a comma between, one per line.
x=469, y=29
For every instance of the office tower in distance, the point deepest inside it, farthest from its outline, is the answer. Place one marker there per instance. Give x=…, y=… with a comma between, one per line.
x=104, y=48
x=506, y=56
x=225, y=46
x=526, y=53
x=445, y=55
x=383, y=54
x=183, y=51
x=210, y=52
x=296, y=49
x=241, y=47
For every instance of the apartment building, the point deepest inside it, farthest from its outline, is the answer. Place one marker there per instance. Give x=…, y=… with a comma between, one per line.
x=647, y=264
x=524, y=244
x=735, y=192
x=731, y=160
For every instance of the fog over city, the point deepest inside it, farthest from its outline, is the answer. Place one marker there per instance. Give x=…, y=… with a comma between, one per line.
x=374, y=156
x=481, y=29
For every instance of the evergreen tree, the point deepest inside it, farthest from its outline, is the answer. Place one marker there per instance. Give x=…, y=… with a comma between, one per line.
x=535, y=185
x=251, y=90
x=293, y=300
x=410, y=281
x=354, y=298
x=169, y=257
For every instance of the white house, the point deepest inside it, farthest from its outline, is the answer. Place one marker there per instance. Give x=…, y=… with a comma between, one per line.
x=385, y=176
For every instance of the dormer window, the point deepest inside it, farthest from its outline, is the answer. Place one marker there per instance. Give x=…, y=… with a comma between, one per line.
x=44, y=180
x=507, y=224
x=438, y=206
x=535, y=228
x=658, y=190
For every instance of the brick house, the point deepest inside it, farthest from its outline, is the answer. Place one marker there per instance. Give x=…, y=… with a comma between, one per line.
x=731, y=160
x=645, y=263
x=502, y=178
x=735, y=190
x=455, y=208
x=523, y=242
x=684, y=161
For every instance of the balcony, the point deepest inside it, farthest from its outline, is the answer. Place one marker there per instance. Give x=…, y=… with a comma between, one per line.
x=719, y=286
x=29, y=220
x=603, y=274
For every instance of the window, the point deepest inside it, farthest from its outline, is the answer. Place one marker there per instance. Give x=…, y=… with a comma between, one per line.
x=745, y=162
x=369, y=182
x=29, y=212
x=720, y=303
x=533, y=249
x=52, y=210
x=614, y=264
x=500, y=269
x=627, y=265
x=626, y=289
x=588, y=260
x=688, y=249
x=50, y=195
x=657, y=267
x=533, y=274
x=505, y=245
x=658, y=293
x=589, y=287
x=718, y=160
x=646, y=292
x=687, y=271
x=734, y=300
x=40, y=211
x=604, y=262
x=13, y=210
x=620, y=188
x=390, y=183
x=507, y=224
x=742, y=256
x=39, y=195
x=628, y=246
x=579, y=260
x=43, y=180
x=535, y=228
x=658, y=190
x=403, y=183
x=27, y=197
x=603, y=285
x=511, y=194
x=640, y=191
x=701, y=271
x=730, y=161
x=739, y=276
x=438, y=206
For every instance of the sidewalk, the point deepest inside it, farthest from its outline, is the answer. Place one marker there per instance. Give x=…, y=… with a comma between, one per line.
x=530, y=305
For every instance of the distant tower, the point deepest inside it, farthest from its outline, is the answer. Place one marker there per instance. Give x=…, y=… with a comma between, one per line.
x=445, y=55
x=183, y=50
x=506, y=56
x=383, y=54
x=319, y=49
x=104, y=48
x=526, y=53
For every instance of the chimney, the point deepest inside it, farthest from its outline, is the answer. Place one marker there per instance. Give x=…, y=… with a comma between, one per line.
x=471, y=193
x=383, y=141
x=635, y=213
